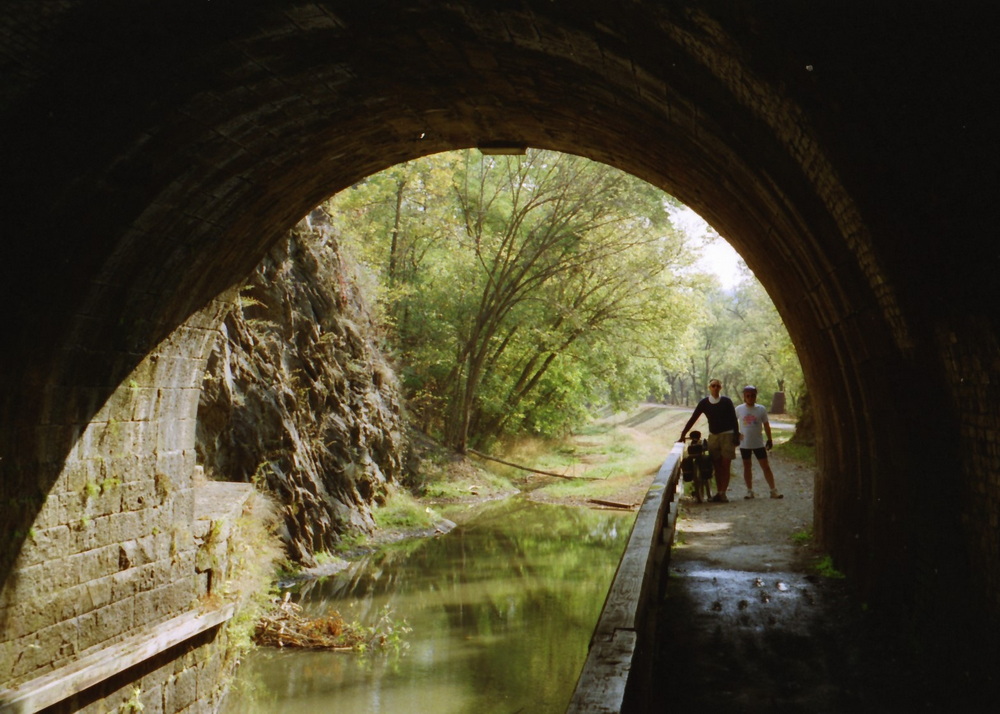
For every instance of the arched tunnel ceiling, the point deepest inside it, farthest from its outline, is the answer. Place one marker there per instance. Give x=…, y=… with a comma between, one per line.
x=215, y=127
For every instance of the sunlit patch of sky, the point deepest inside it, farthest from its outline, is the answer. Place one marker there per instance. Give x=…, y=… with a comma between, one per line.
x=717, y=256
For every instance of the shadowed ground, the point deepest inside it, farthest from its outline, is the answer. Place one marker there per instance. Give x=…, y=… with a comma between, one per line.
x=750, y=624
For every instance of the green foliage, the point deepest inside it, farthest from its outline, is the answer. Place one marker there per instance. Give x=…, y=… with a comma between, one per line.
x=595, y=485
x=483, y=485
x=825, y=568
x=385, y=634
x=164, y=486
x=803, y=537
x=740, y=340
x=134, y=702
x=520, y=291
x=245, y=301
x=324, y=557
x=601, y=460
x=797, y=452
x=350, y=541
x=261, y=474
x=254, y=553
x=402, y=511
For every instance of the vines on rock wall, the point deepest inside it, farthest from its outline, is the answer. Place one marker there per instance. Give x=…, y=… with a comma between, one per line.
x=298, y=399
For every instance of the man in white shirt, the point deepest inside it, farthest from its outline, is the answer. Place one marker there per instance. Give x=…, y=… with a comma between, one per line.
x=752, y=418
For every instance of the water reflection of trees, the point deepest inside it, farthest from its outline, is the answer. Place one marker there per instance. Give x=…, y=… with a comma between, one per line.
x=525, y=554
x=510, y=599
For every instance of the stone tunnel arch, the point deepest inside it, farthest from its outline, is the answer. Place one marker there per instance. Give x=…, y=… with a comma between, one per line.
x=161, y=150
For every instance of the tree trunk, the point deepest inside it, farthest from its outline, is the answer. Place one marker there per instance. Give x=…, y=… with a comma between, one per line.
x=805, y=429
x=394, y=246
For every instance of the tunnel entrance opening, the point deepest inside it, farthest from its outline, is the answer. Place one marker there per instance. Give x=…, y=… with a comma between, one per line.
x=275, y=373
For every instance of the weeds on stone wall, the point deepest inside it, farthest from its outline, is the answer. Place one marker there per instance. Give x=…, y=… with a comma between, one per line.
x=163, y=485
x=133, y=703
x=253, y=554
x=824, y=566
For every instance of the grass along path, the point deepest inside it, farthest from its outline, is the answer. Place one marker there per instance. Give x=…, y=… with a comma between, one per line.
x=613, y=459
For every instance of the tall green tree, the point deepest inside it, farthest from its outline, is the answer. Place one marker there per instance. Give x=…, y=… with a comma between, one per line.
x=533, y=287
x=769, y=357
x=741, y=339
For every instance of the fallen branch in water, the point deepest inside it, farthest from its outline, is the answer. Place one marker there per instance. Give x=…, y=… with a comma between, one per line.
x=524, y=468
x=612, y=504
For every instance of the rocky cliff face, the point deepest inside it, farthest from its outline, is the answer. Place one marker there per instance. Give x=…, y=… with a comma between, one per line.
x=298, y=397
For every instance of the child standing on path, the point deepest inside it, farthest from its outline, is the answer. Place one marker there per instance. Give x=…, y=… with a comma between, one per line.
x=753, y=422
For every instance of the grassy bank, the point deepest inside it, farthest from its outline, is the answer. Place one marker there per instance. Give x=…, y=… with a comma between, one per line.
x=613, y=459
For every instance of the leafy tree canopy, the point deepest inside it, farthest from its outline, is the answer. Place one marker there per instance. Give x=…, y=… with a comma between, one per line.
x=522, y=292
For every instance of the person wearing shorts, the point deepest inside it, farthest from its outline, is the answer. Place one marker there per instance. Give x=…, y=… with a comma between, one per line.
x=753, y=423
x=723, y=434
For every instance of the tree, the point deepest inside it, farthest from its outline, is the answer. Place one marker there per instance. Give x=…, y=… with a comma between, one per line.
x=743, y=341
x=545, y=284
x=769, y=356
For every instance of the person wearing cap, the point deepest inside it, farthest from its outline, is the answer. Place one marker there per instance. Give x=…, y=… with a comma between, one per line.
x=723, y=435
x=753, y=423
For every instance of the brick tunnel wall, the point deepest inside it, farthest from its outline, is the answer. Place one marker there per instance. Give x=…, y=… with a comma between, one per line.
x=162, y=148
x=113, y=549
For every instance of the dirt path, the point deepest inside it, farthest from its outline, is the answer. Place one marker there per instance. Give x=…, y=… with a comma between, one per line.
x=748, y=534
x=750, y=625
x=758, y=534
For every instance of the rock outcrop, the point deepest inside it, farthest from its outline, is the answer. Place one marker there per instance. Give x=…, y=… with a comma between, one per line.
x=299, y=399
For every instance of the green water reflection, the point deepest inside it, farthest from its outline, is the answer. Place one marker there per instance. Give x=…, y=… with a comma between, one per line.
x=501, y=610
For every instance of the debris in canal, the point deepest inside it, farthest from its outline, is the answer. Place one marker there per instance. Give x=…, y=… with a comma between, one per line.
x=285, y=626
x=613, y=504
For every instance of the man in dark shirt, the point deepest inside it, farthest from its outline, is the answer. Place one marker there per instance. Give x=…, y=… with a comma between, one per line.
x=723, y=434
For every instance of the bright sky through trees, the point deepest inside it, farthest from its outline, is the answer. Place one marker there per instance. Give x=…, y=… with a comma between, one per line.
x=717, y=256
x=521, y=294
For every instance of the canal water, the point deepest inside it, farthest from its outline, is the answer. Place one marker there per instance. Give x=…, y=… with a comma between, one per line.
x=501, y=610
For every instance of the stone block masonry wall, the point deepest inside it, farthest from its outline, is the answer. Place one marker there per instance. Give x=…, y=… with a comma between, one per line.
x=113, y=550
x=182, y=679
